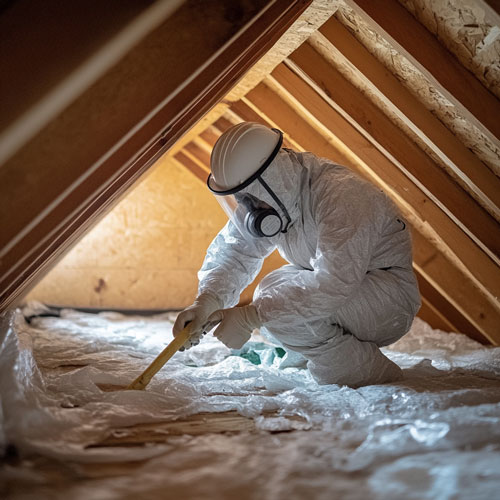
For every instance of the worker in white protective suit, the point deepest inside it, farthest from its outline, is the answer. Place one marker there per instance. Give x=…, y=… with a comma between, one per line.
x=349, y=288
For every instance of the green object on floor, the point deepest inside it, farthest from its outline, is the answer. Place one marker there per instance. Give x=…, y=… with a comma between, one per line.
x=251, y=356
x=280, y=352
x=259, y=353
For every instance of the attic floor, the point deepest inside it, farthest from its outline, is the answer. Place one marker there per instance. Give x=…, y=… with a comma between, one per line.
x=216, y=423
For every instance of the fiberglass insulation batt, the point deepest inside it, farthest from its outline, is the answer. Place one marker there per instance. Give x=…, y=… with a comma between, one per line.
x=435, y=434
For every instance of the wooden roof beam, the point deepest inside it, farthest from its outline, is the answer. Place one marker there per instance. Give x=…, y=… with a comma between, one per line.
x=450, y=292
x=389, y=139
x=247, y=112
x=199, y=153
x=433, y=317
x=223, y=123
x=394, y=23
x=345, y=50
x=191, y=165
x=210, y=135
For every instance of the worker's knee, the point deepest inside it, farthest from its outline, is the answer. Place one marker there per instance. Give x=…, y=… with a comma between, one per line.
x=390, y=332
x=380, y=326
x=383, y=308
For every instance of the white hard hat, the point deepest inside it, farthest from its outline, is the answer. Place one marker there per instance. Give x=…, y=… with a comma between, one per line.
x=241, y=153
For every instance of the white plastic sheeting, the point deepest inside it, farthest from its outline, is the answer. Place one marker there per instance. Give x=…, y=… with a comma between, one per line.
x=436, y=434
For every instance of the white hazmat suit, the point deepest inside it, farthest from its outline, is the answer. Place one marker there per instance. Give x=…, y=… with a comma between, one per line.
x=349, y=287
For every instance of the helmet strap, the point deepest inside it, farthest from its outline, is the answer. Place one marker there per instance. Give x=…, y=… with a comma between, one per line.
x=278, y=202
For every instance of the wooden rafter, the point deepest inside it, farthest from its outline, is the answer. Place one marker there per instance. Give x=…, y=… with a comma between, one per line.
x=245, y=112
x=384, y=134
x=410, y=38
x=467, y=169
x=445, y=286
x=190, y=164
x=198, y=153
x=431, y=315
x=210, y=135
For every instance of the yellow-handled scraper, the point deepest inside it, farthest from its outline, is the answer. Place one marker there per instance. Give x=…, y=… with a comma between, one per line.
x=143, y=380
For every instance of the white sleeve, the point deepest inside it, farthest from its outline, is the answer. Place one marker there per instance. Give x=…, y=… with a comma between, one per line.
x=232, y=262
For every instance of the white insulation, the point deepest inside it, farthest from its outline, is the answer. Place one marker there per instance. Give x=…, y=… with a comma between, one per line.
x=436, y=434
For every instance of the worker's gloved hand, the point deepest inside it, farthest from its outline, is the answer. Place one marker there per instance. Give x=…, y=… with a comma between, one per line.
x=236, y=325
x=196, y=315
